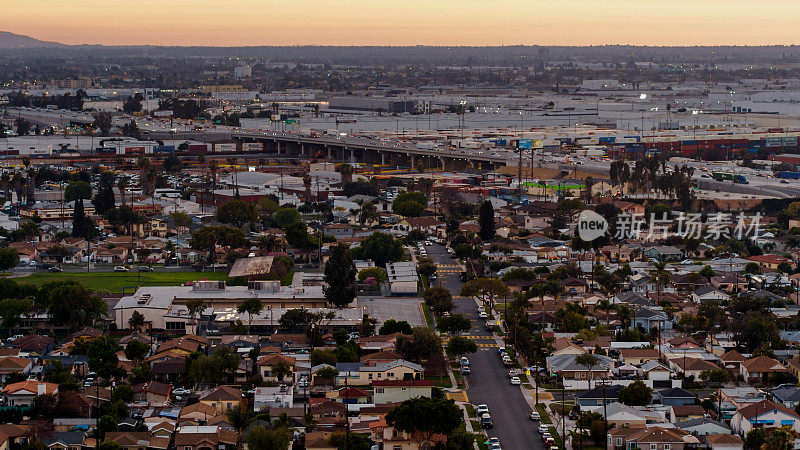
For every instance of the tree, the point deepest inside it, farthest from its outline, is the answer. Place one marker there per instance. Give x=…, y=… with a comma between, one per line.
x=109, y=445
x=422, y=343
x=587, y=360
x=636, y=394
x=485, y=289
x=381, y=248
x=251, y=306
x=426, y=267
x=356, y=441
x=181, y=219
x=453, y=324
x=427, y=417
x=239, y=418
x=260, y=438
x=218, y=368
x=392, y=326
x=408, y=208
x=340, y=277
x=101, y=353
x=136, y=322
x=104, y=200
x=459, y=345
x=378, y=273
x=208, y=238
x=752, y=268
x=486, y=221
x=285, y=217
x=755, y=438
x=70, y=303
x=136, y=350
x=9, y=258
x=237, y=213
x=717, y=376
x=12, y=310
x=280, y=370
x=438, y=299
x=103, y=121
x=196, y=306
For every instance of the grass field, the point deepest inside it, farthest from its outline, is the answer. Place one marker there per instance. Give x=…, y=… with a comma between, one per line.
x=114, y=282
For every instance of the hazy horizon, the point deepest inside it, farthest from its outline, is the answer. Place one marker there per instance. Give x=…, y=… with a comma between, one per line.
x=407, y=23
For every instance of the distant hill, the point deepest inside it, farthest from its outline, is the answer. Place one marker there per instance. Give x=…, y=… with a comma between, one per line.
x=10, y=40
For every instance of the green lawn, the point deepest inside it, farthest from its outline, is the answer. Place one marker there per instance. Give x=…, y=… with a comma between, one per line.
x=543, y=414
x=114, y=282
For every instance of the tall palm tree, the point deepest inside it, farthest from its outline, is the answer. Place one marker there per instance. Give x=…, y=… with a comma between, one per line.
x=347, y=173
x=122, y=183
x=233, y=161
x=605, y=304
x=307, y=185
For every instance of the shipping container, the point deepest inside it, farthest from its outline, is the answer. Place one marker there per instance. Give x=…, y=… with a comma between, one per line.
x=164, y=150
x=253, y=147
x=225, y=147
x=198, y=149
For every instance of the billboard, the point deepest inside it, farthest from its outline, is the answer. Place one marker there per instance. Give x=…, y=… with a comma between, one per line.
x=525, y=143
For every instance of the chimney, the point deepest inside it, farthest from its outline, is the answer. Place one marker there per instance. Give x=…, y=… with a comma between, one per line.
x=41, y=389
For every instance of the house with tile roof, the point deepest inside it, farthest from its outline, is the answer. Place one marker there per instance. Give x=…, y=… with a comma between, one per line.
x=760, y=368
x=691, y=367
x=765, y=413
x=22, y=393
x=152, y=393
x=205, y=437
x=723, y=442
x=732, y=360
x=266, y=365
x=222, y=398
x=655, y=438
x=638, y=356
x=14, y=365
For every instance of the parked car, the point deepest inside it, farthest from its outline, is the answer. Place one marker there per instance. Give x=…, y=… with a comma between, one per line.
x=542, y=429
x=535, y=416
x=145, y=269
x=486, y=421
x=464, y=361
x=483, y=315
x=515, y=381
x=465, y=370
x=55, y=269
x=120, y=269
x=181, y=391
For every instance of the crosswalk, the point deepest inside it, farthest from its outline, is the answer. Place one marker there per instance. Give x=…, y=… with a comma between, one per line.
x=448, y=268
x=483, y=342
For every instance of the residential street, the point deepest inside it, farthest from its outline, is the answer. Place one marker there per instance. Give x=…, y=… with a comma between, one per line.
x=488, y=383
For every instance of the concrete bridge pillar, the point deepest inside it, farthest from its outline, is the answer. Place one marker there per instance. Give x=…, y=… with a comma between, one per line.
x=352, y=155
x=278, y=147
x=302, y=149
x=383, y=158
x=328, y=150
x=444, y=165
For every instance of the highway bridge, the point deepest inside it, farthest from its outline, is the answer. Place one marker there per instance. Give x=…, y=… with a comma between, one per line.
x=375, y=151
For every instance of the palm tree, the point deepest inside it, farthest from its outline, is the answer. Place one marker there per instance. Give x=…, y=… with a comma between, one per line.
x=239, y=417
x=307, y=185
x=347, y=173
x=144, y=166
x=232, y=162
x=624, y=314
x=605, y=304
x=122, y=183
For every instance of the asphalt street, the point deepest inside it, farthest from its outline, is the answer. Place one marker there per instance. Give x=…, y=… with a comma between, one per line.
x=488, y=383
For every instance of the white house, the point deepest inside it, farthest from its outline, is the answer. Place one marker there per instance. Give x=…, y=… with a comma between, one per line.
x=765, y=413
x=273, y=397
x=707, y=293
x=398, y=391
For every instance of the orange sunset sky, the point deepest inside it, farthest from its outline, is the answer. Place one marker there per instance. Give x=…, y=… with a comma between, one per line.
x=405, y=22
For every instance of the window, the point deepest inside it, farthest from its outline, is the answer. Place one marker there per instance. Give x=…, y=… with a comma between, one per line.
x=653, y=446
x=379, y=390
x=666, y=446
x=619, y=442
x=369, y=376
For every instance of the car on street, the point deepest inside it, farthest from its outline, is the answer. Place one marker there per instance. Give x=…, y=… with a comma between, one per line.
x=145, y=269
x=483, y=315
x=493, y=440
x=542, y=429
x=55, y=269
x=482, y=409
x=465, y=370
x=549, y=442
x=535, y=416
x=495, y=447
x=515, y=381
x=514, y=373
x=464, y=361
x=181, y=391
x=486, y=421
x=120, y=269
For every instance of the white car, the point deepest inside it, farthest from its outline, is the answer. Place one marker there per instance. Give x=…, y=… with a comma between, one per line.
x=542, y=429
x=535, y=416
x=515, y=381
x=181, y=391
x=483, y=315
x=120, y=269
x=482, y=409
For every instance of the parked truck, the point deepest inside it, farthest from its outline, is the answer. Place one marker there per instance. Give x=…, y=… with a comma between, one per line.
x=740, y=179
x=790, y=175
x=722, y=176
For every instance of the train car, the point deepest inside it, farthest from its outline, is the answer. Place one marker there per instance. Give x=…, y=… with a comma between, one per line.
x=164, y=150
x=105, y=151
